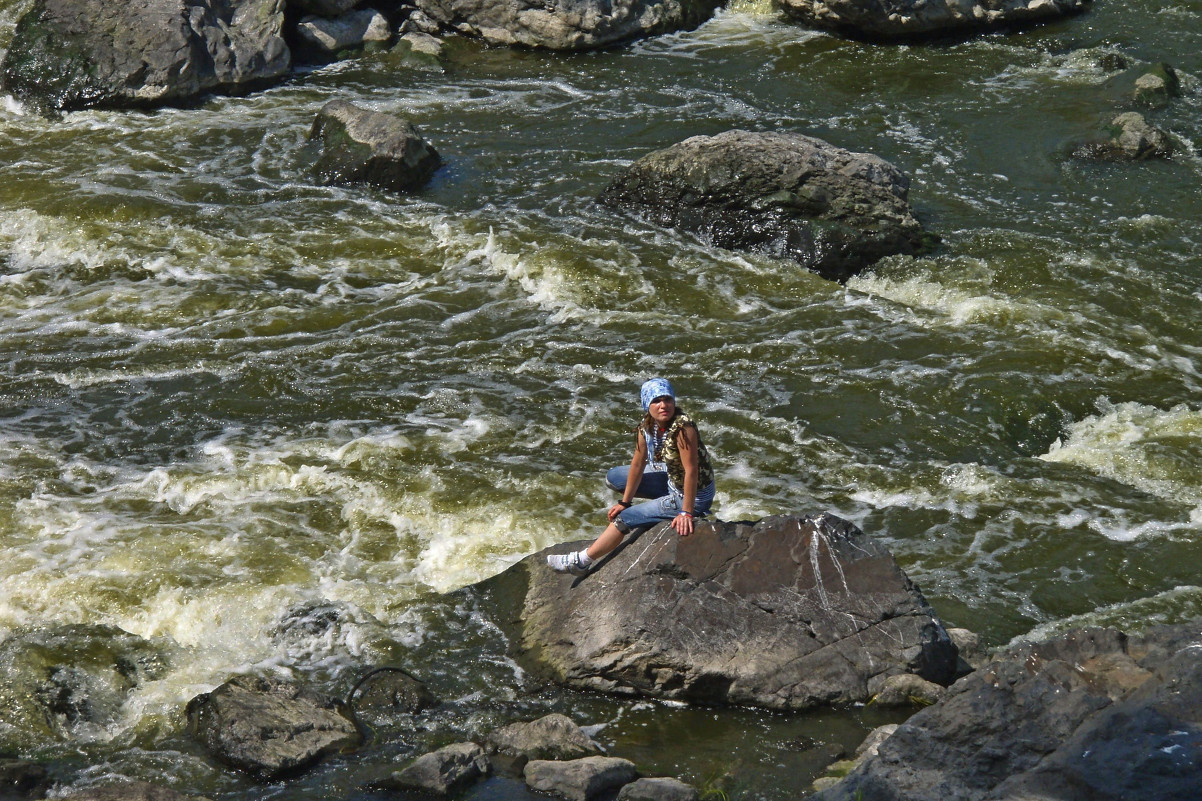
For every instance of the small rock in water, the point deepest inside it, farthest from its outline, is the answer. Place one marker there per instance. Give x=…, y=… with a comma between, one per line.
x=20, y=778
x=367, y=147
x=908, y=690
x=552, y=737
x=388, y=691
x=580, y=779
x=267, y=726
x=131, y=791
x=649, y=789
x=443, y=772
x=1131, y=139
x=1157, y=87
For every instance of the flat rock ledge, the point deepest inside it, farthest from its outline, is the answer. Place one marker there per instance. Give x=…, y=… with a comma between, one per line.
x=566, y=24
x=782, y=194
x=583, y=779
x=366, y=147
x=554, y=736
x=909, y=19
x=787, y=613
x=73, y=54
x=269, y=727
x=1091, y=714
x=442, y=773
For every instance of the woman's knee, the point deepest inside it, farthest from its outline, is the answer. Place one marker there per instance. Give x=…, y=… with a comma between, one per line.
x=615, y=479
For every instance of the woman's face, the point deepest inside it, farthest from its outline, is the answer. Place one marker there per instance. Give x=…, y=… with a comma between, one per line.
x=662, y=409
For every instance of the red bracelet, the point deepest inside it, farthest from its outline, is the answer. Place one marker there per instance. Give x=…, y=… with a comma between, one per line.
x=690, y=514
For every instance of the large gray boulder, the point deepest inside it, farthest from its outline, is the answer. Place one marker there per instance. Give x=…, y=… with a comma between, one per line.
x=72, y=54
x=787, y=613
x=566, y=24
x=1092, y=715
x=901, y=19
x=350, y=31
x=269, y=727
x=366, y=147
x=783, y=194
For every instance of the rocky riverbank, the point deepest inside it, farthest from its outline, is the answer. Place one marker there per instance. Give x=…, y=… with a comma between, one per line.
x=788, y=613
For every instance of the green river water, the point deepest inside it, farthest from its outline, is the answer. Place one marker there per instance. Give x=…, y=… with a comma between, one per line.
x=229, y=395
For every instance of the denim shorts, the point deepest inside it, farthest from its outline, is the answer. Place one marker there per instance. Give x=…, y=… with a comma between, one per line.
x=664, y=503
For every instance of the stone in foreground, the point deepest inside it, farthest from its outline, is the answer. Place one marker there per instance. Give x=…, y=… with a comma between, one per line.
x=781, y=194
x=367, y=147
x=443, y=772
x=787, y=613
x=903, y=19
x=268, y=727
x=566, y=24
x=73, y=54
x=1131, y=139
x=131, y=791
x=658, y=790
x=580, y=779
x=1086, y=716
x=554, y=736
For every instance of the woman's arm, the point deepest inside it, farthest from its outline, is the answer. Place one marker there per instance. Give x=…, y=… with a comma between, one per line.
x=686, y=443
x=637, y=463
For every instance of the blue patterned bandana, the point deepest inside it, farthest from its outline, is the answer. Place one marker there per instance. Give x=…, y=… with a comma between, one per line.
x=655, y=388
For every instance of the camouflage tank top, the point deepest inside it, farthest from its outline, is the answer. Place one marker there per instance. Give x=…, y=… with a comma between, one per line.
x=667, y=451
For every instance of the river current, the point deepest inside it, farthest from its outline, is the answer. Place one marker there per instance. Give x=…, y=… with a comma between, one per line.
x=229, y=396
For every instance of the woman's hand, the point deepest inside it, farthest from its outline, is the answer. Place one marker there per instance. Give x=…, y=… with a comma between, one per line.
x=683, y=523
x=616, y=510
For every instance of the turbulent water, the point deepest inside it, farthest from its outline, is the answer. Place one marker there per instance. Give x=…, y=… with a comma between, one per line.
x=231, y=396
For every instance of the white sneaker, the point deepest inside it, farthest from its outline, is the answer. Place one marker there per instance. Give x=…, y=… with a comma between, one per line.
x=567, y=563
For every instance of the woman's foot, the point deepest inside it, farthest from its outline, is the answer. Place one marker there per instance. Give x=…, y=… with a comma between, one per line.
x=569, y=563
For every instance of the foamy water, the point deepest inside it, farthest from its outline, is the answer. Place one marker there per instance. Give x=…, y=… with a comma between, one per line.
x=265, y=425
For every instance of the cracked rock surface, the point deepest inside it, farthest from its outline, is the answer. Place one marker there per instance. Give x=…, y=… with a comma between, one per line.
x=785, y=613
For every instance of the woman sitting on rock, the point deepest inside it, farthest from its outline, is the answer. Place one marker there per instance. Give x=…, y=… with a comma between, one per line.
x=675, y=474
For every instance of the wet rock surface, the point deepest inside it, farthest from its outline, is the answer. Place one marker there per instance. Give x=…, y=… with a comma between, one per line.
x=268, y=727
x=781, y=194
x=566, y=24
x=785, y=613
x=1091, y=714
x=550, y=737
x=443, y=772
x=366, y=147
x=71, y=54
x=21, y=778
x=1132, y=138
x=580, y=779
x=649, y=789
x=901, y=19
x=352, y=30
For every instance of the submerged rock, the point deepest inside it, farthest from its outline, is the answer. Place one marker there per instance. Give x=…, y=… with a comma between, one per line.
x=70, y=681
x=1131, y=139
x=781, y=194
x=443, y=772
x=580, y=779
x=649, y=789
x=131, y=791
x=72, y=54
x=566, y=24
x=367, y=147
x=901, y=19
x=20, y=778
x=787, y=613
x=1091, y=714
x=268, y=727
x=387, y=691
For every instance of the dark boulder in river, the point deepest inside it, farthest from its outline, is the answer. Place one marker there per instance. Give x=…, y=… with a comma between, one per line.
x=902, y=19
x=131, y=791
x=782, y=194
x=566, y=24
x=72, y=54
x=367, y=147
x=269, y=727
x=1086, y=716
x=786, y=613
